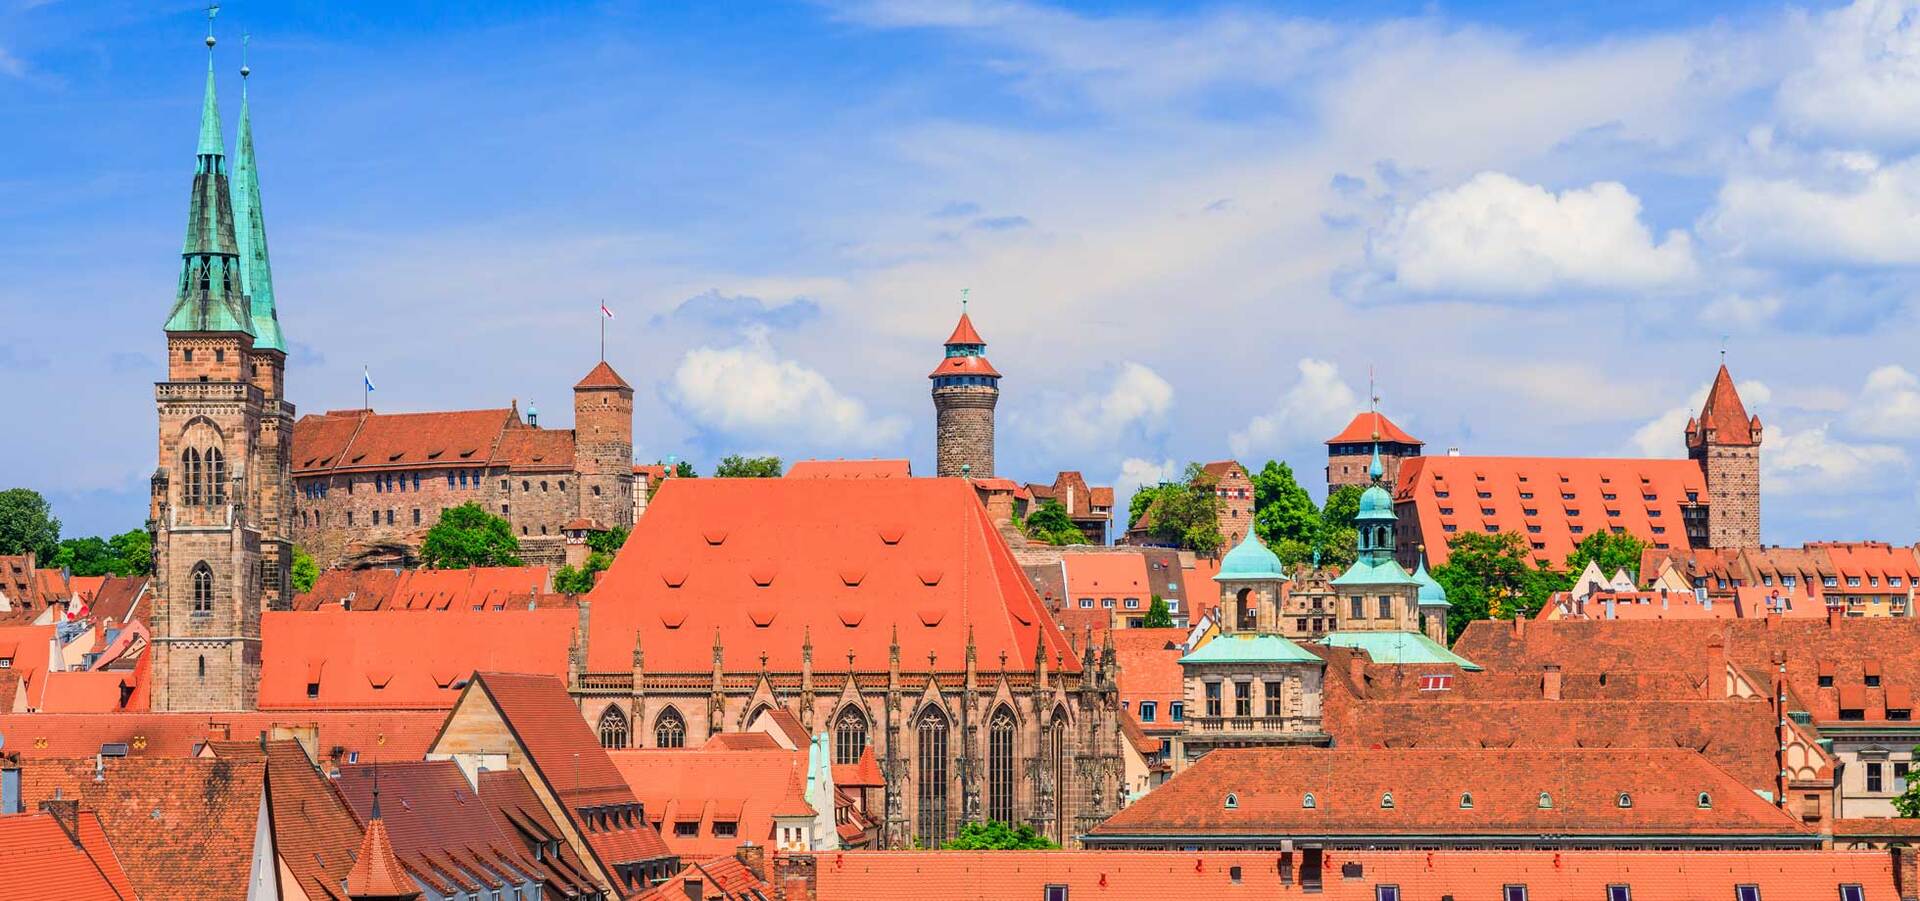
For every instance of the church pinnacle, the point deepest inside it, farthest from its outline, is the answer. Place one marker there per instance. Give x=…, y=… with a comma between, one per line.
x=210, y=296
x=250, y=228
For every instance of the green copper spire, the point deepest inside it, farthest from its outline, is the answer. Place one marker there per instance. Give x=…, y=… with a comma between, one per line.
x=210, y=297
x=1374, y=470
x=256, y=273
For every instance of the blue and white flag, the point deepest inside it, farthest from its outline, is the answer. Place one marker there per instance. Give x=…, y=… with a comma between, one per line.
x=366, y=377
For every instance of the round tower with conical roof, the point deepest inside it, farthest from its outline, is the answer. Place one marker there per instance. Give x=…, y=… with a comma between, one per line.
x=965, y=389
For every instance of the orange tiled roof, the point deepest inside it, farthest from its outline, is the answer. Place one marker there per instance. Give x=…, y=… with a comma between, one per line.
x=772, y=563
x=537, y=450
x=709, y=785
x=412, y=659
x=97, y=691
x=724, y=878
x=865, y=774
x=603, y=376
x=358, y=440
x=1373, y=426
x=183, y=828
x=376, y=872
x=1556, y=495
x=1842, y=648
x=1723, y=418
x=1349, y=786
x=368, y=734
x=1118, y=575
x=43, y=859
x=964, y=366
x=313, y=831
x=487, y=587
x=1466, y=875
x=1149, y=661
x=850, y=469
x=964, y=333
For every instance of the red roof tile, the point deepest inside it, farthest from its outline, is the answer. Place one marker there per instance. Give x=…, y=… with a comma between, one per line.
x=1723, y=417
x=369, y=735
x=1373, y=426
x=377, y=873
x=1117, y=576
x=488, y=587
x=850, y=469
x=964, y=366
x=699, y=785
x=840, y=563
x=963, y=332
x=719, y=879
x=1350, y=785
x=1149, y=661
x=97, y=691
x=537, y=450
x=41, y=855
x=357, y=440
x=603, y=376
x=404, y=659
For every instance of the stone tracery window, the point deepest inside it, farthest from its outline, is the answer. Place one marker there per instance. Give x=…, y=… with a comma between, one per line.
x=613, y=728
x=202, y=579
x=190, y=477
x=1000, y=733
x=216, y=468
x=670, y=730
x=849, y=736
x=932, y=790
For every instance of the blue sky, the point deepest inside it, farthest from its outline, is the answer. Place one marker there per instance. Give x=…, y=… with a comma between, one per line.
x=1189, y=230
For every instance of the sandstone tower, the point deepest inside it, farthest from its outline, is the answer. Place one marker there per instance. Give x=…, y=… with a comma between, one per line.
x=965, y=389
x=603, y=436
x=221, y=397
x=1726, y=443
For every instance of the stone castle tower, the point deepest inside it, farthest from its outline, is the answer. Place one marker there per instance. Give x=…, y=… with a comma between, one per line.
x=965, y=389
x=1726, y=443
x=603, y=436
x=222, y=492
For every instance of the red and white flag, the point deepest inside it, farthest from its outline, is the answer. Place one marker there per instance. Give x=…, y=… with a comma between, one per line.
x=604, y=311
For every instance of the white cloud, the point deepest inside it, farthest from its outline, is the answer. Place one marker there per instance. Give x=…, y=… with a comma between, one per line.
x=1739, y=311
x=1137, y=473
x=1666, y=435
x=1844, y=208
x=1862, y=82
x=748, y=391
x=1812, y=461
x=11, y=65
x=1316, y=405
x=1889, y=404
x=1495, y=235
x=1138, y=397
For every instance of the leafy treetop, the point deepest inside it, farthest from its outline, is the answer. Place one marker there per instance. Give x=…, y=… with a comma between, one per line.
x=27, y=524
x=994, y=835
x=468, y=536
x=1049, y=523
x=734, y=466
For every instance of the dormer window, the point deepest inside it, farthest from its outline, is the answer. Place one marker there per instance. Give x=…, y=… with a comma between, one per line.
x=1546, y=801
x=1386, y=800
x=1704, y=802
x=1626, y=800
x=1307, y=802
x=1233, y=801
x=1466, y=800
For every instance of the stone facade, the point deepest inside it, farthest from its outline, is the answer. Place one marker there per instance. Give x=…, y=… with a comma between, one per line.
x=963, y=430
x=1233, y=500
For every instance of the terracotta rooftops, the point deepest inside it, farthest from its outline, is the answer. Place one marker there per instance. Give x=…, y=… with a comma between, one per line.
x=850, y=469
x=357, y=440
x=768, y=565
x=1149, y=661
x=1109, y=576
x=1354, y=792
x=315, y=834
x=1422, y=875
x=360, y=734
x=69, y=851
x=410, y=659
x=603, y=376
x=536, y=450
x=1373, y=426
x=1550, y=502
x=969, y=365
x=480, y=587
x=708, y=786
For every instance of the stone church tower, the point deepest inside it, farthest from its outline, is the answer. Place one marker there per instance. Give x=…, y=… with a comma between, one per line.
x=221, y=491
x=1726, y=443
x=965, y=389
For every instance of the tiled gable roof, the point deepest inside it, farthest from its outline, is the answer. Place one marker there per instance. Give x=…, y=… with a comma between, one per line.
x=366, y=734
x=537, y=450
x=43, y=859
x=850, y=469
x=407, y=659
x=1556, y=495
x=1373, y=426
x=773, y=563
x=1117, y=575
x=358, y=440
x=602, y=376
x=723, y=878
x=1350, y=786
x=485, y=587
x=707, y=786
x=183, y=828
x=314, y=833
x=1149, y=662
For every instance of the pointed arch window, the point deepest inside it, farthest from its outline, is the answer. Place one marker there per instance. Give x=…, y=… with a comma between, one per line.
x=1057, y=762
x=190, y=477
x=202, y=587
x=932, y=790
x=613, y=728
x=670, y=730
x=1000, y=732
x=216, y=464
x=849, y=736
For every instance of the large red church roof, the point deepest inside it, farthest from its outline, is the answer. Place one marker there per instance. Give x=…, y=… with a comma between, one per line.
x=1373, y=426
x=769, y=564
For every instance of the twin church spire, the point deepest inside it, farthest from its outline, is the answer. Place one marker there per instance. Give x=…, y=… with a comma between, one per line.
x=226, y=281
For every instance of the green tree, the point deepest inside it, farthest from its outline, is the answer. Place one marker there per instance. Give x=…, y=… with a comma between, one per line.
x=1282, y=510
x=1144, y=498
x=1158, y=616
x=27, y=524
x=89, y=556
x=1612, y=551
x=1487, y=575
x=1907, y=804
x=1186, y=513
x=1342, y=505
x=1339, y=547
x=468, y=536
x=994, y=835
x=734, y=466
x=608, y=542
x=305, y=571
x=568, y=580
x=1049, y=523
x=132, y=552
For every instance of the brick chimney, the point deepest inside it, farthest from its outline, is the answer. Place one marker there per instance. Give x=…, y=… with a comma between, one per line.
x=65, y=812
x=1519, y=627
x=1906, y=872
x=1357, y=672
x=1834, y=614
x=1715, y=687
x=794, y=877
x=1550, y=682
x=754, y=858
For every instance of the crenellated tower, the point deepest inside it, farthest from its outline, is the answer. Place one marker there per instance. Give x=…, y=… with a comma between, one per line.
x=205, y=507
x=1725, y=441
x=965, y=390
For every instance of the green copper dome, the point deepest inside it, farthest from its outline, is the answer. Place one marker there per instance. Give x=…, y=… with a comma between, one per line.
x=1375, y=503
x=1250, y=561
x=1431, y=592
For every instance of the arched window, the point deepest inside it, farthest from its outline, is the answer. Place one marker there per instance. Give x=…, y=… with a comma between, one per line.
x=216, y=493
x=669, y=730
x=1000, y=766
x=201, y=667
x=1307, y=802
x=202, y=588
x=613, y=728
x=190, y=477
x=1057, y=761
x=849, y=735
x=1248, y=611
x=1466, y=800
x=1232, y=802
x=932, y=809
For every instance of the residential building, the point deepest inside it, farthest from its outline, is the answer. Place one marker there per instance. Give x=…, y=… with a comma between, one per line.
x=1089, y=507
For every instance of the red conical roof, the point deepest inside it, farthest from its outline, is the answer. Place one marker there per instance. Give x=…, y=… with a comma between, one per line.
x=603, y=376
x=964, y=333
x=795, y=803
x=1723, y=417
x=378, y=874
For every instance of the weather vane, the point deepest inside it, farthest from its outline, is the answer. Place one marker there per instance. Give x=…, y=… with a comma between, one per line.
x=213, y=9
x=963, y=299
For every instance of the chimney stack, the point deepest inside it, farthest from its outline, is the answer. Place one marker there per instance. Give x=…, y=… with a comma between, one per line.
x=1716, y=684
x=1906, y=872
x=65, y=812
x=1550, y=682
x=1357, y=672
x=754, y=858
x=1834, y=614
